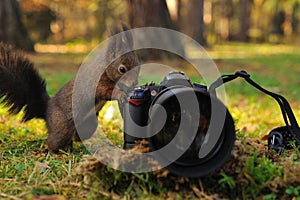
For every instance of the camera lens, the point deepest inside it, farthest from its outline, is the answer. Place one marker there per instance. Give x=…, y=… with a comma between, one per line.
x=189, y=163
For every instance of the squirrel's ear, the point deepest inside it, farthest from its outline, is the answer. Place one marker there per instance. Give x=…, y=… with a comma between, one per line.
x=120, y=42
x=111, y=48
x=128, y=37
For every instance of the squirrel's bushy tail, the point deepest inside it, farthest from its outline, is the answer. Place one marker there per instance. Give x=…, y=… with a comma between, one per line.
x=21, y=86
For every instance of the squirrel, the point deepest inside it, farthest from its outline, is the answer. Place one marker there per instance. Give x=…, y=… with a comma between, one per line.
x=22, y=88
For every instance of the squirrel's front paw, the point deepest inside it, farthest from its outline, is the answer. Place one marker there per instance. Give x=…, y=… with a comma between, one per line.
x=123, y=98
x=120, y=96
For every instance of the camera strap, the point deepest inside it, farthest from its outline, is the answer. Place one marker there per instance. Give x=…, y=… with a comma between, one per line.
x=286, y=110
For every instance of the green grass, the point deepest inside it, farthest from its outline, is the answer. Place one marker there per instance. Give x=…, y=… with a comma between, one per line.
x=273, y=66
x=55, y=82
x=27, y=169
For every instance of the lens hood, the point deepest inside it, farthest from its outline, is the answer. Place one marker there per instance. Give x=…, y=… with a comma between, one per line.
x=189, y=164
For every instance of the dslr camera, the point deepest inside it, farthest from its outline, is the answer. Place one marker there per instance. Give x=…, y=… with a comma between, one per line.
x=190, y=129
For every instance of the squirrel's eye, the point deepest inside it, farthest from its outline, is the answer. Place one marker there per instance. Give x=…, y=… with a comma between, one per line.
x=122, y=69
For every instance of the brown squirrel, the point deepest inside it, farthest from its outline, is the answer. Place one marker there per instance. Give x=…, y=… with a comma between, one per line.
x=21, y=86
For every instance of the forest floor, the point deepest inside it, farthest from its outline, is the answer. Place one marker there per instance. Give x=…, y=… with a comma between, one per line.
x=28, y=171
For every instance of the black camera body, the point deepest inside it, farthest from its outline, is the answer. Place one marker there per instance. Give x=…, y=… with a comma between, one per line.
x=141, y=98
x=191, y=119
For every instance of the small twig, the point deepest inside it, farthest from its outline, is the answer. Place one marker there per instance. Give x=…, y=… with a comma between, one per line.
x=8, y=196
x=201, y=194
x=7, y=179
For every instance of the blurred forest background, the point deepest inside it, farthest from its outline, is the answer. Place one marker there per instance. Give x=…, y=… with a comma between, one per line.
x=27, y=23
x=260, y=36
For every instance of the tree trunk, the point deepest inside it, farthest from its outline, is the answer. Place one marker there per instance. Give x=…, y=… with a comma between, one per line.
x=101, y=16
x=244, y=20
x=12, y=30
x=224, y=21
x=149, y=13
x=154, y=13
x=195, y=21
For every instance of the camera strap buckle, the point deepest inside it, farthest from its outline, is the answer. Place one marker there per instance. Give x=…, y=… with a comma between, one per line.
x=279, y=138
